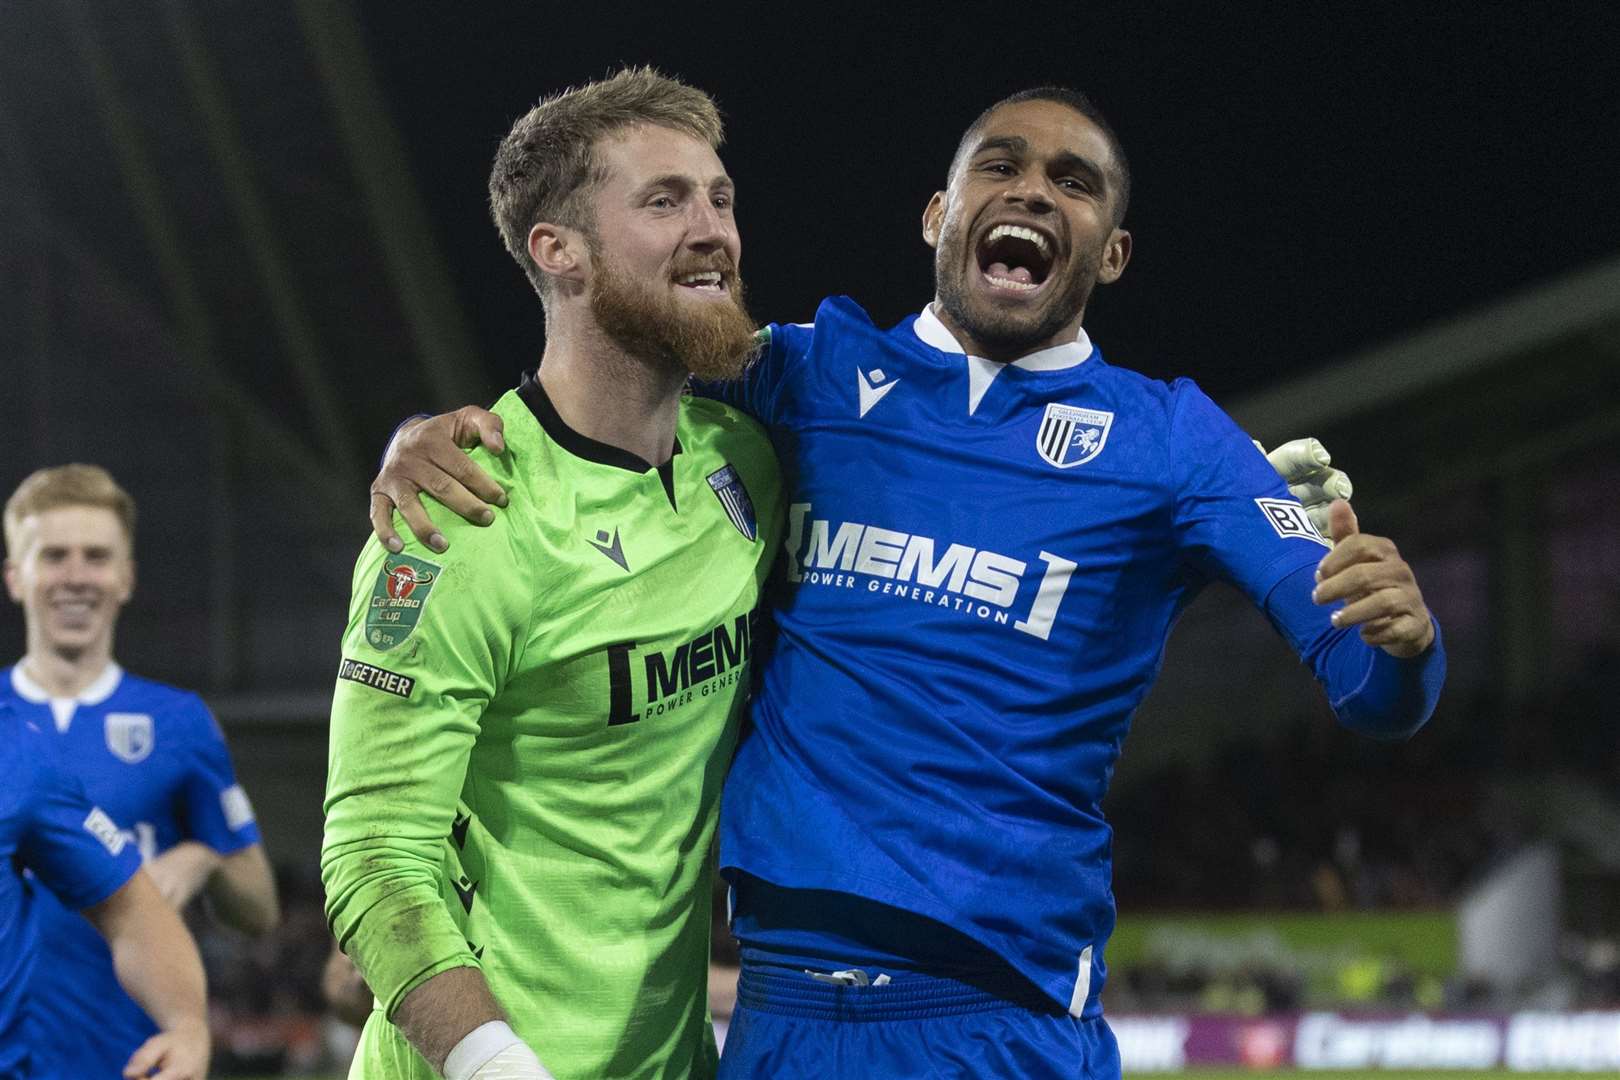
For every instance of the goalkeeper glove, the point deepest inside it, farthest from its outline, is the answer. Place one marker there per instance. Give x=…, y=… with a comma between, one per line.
x=1307, y=469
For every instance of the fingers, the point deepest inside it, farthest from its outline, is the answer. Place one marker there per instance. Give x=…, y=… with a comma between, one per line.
x=1387, y=604
x=421, y=525
x=428, y=457
x=1355, y=550
x=1377, y=587
x=1402, y=637
x=478, y=427
x=1296, y=460
x=1365, y=570
x=468, y=490
x=146, y=1057
x=175, y=1059
x=382, y=522
x=1320, y=488
x=1342, y=521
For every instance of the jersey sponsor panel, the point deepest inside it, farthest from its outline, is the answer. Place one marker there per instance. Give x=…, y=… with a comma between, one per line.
x=977, y=582
x=715, y=661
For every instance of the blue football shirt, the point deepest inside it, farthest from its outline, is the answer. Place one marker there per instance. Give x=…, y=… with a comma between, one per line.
x=154, y=759
x=982, y=567
x=49, y=827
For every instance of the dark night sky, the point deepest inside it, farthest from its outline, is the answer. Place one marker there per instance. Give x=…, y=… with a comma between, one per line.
x=1310, y=179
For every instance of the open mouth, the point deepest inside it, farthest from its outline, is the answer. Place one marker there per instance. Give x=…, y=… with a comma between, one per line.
x=703, y=281
x=73, y=611
x=1015, y=258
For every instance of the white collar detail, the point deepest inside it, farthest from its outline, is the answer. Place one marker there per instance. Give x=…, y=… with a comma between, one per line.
x=982, y=372
x=62, y=708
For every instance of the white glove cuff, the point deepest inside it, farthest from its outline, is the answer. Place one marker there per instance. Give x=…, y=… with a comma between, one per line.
x=493, y=1051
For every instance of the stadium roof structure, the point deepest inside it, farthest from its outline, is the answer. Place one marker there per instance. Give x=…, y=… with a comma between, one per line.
x=1531, y=378
x=1456, y=433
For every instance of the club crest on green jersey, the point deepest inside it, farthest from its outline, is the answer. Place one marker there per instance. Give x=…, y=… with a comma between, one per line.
x=397, y=598
x=728, y=488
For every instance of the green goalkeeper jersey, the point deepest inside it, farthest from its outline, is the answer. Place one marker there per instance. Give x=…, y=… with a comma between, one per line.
x=529, y=734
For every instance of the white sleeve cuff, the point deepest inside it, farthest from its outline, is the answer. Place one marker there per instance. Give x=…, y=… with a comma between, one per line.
x=493, y=1051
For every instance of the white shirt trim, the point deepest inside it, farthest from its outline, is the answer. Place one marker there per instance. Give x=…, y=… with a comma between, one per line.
x=62, y=708
x=981, y=372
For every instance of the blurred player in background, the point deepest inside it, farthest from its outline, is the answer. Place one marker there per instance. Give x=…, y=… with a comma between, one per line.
x=517, y=833
x=149, y=755
x=991, y=532
x=49, y=828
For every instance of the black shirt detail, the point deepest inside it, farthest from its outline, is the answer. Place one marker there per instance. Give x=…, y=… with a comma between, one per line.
x=583, y=446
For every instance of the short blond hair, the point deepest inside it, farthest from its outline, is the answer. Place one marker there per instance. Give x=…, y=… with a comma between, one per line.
x=66, y=485
x=547, y=162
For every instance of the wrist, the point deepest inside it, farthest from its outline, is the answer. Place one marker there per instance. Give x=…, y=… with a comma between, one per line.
x=476, y=1047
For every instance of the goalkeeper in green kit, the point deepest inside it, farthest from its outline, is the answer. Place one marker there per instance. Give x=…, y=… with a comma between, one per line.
x=530, y=730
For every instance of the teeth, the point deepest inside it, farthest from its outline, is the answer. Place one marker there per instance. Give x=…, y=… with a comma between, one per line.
x=1008, y=283
x=1021, y=233
x=707, y=277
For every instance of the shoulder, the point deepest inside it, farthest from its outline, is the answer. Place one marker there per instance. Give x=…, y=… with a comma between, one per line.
x=1174, y=401
x=23, y=744
x=1144, y=404
x=1195, y=412
x=32, y=760
x=836, y=317
x=718, y=435
x=8, y=689
x=175, y=710
x=153, y=696
x=522, y=434
x=715, y=423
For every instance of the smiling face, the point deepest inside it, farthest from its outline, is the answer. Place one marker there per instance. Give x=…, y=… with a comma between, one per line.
x=72, y=572
x=1025, y=230
x=664, y=250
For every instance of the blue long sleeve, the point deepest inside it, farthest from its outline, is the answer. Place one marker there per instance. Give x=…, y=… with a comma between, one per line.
x=1371, y=691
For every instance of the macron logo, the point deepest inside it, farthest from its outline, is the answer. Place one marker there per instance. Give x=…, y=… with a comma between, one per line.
x=612, y=550
x=873, y=388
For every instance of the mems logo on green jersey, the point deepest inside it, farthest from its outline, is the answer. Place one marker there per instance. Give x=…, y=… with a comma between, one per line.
x=402, y=588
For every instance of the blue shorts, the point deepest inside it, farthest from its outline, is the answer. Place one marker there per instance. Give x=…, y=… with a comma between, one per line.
x=789, y=1025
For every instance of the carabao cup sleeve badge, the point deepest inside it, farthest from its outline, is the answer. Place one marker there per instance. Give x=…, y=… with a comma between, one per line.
x=402, y=588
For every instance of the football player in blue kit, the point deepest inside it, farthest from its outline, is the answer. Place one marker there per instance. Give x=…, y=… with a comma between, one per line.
x=991, y=532
x=73, y=849
x=149, y=755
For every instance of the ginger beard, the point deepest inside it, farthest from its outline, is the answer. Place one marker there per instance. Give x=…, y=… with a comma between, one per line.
x=712, y=340
x=1007, y=330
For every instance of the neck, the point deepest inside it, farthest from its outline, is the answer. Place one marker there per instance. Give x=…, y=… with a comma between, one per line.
x=606, y=394
x=1001, y=353
x=65, y=673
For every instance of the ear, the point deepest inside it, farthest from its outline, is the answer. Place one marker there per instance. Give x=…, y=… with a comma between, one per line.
x=1116, y=254
x=559, y=251
x=12, y=587
x=933, y=219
